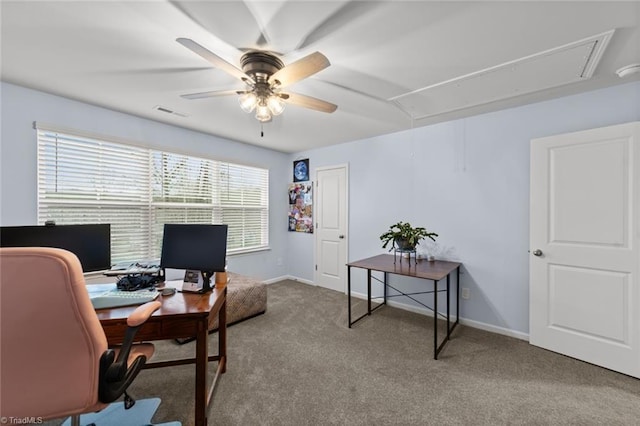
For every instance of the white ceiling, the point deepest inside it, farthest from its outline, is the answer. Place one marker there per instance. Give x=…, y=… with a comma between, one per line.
x=394, y=64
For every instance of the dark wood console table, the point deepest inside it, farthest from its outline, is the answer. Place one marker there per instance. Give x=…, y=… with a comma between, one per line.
x=434, y=270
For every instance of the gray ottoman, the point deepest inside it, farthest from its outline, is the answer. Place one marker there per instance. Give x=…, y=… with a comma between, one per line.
x=246, y=298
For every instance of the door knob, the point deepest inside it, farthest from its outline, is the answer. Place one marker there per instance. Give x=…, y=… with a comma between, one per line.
x=537, y=252
x=341, y=237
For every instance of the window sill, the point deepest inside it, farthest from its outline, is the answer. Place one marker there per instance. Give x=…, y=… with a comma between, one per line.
x=242, y=252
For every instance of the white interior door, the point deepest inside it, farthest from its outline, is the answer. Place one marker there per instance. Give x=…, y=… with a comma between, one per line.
x=331, y=227
x=585, y=238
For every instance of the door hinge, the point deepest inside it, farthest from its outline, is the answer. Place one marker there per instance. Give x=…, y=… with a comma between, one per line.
x=316, y=267
x=316, y=225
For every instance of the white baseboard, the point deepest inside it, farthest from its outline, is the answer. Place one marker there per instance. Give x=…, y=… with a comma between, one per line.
x=422, y=311
x=301, y=280
x=288, y=277
x=495, y=329
x=470, y=323
x=275, y=280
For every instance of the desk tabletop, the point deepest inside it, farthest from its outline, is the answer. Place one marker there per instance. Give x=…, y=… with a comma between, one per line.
x=427, y=269
x=178, y=304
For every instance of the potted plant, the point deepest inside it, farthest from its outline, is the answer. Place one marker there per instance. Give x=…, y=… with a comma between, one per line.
x=405, y=237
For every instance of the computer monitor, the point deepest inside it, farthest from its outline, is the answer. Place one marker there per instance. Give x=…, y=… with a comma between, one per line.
x=91, y=243
x=201, y=247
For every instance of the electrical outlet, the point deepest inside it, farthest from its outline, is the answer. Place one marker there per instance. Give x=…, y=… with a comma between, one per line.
x=465, y=293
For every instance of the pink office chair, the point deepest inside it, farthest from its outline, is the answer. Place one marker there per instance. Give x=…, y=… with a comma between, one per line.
x=54, y=357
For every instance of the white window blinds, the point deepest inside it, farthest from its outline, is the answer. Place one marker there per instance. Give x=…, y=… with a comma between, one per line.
x=138, y=190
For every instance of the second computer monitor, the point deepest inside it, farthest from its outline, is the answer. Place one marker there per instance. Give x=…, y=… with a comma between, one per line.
x=90, y=243
x=194, y=246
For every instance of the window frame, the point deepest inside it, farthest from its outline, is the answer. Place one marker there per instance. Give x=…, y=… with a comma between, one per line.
x=252, y=198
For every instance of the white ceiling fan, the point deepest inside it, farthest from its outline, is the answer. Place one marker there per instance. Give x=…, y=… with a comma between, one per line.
x=265, y=75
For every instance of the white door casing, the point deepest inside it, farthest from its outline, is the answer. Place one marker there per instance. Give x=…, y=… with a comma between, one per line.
x=584, y=242
x=331, y=233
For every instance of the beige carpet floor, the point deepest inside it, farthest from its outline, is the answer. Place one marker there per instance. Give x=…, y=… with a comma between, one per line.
x=299, y=364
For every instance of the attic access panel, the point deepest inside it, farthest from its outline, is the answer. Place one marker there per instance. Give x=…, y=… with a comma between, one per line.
x=562, y=65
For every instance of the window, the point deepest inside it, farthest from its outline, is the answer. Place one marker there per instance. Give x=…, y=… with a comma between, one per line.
x=138, y=190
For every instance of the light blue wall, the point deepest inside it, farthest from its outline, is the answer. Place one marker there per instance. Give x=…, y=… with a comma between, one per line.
x=18, y=190
x=468, y=180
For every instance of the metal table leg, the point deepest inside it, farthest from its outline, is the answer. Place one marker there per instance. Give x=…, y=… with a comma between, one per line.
x=369, y=291
x=435, y=319
x=448, y=331
x=349, y=293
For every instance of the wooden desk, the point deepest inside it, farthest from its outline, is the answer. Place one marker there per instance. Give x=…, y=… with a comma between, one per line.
x=181, y=315
x=435, y=270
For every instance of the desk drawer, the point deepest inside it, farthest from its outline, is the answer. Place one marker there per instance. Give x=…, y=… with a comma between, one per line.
x=160, y=329
x=115, y=332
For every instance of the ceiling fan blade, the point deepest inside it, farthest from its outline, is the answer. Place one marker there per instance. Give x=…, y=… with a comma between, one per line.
x=262, y=40
x=260, y=12
x=341, y=17
x=309, y=102
x=159, y=71
x=357, y=92
x=214, y=59
x=213, y=93
x=300, y=69
x=213, y=17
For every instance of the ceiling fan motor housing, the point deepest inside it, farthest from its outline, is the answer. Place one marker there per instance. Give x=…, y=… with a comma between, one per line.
x=260, y=65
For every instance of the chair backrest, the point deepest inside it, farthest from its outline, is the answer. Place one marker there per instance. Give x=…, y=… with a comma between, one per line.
x=51, y=338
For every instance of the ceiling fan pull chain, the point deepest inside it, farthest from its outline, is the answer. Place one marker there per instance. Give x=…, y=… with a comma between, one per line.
x=261, y=130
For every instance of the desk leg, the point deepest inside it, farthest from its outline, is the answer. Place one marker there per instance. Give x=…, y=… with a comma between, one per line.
x=435, y=319
x=457, y=294
x=448, y=308
x=369, y=291
x=222, y=336
x=222, y=350
x=349, y=294
x=202, y=337
x=385, y=287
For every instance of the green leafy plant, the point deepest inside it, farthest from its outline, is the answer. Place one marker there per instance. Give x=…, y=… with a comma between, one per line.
x=404, y=236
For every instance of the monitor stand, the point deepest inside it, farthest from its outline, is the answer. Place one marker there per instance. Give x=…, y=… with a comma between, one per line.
x=206, y=281
x=197, y=281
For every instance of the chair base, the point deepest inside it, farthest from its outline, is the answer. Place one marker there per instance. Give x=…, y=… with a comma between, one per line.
x=116, y=415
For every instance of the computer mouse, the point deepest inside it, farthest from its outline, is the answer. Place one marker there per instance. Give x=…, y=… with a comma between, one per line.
x=168, y=291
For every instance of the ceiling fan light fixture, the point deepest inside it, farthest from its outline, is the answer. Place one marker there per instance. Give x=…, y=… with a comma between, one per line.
x=248, y=101
x=275, y=104
x=262, y=113
x=264, y=75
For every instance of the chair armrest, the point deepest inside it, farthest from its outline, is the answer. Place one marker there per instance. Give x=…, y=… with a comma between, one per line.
x=134, y=321
x=142, y=313
x=116, y=374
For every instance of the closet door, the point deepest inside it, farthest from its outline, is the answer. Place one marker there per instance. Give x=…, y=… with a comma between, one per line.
x=584, y=245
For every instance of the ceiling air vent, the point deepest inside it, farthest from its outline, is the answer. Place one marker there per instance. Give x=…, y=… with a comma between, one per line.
x=555, y=67
x=169, y=111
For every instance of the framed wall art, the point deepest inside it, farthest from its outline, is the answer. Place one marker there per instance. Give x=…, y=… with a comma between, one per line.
x=301, y=207
x=301, y=170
